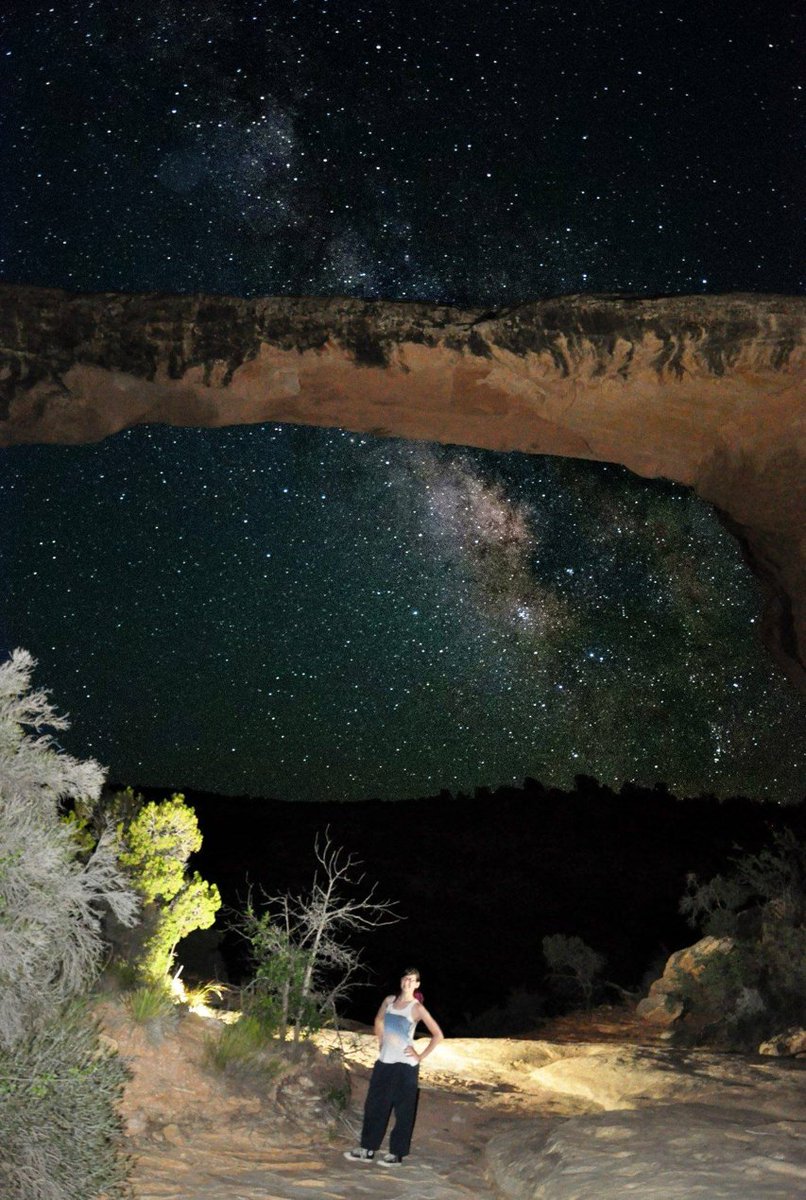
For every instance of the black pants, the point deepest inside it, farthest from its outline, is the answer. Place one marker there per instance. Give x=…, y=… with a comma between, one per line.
x=392, y=1086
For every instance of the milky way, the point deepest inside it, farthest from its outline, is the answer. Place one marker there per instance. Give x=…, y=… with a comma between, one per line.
x=493, y=538
x=471, y=151
x=311, y=614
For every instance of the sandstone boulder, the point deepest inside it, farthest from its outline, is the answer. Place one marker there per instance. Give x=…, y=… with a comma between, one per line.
x=790, y=1044
x=665, y=1004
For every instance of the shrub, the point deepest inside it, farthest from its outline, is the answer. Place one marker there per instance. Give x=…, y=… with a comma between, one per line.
x=61, y=1135
x=244, y=1043
x=573, y=966
x=202, y=994
x=771, y=885
x=756, y=986
x=149, y=1003
x=300, y=947
x=51, y=895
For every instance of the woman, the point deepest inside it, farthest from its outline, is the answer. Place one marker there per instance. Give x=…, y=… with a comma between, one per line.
x=393, y=1085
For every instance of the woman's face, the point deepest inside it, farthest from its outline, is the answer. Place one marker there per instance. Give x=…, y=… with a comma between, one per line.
x=409, y=982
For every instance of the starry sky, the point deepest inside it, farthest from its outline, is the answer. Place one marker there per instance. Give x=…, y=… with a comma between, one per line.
x=465, y=151
x=311, y=614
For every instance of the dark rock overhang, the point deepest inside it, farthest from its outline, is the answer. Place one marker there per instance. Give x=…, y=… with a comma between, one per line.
x=704, y=390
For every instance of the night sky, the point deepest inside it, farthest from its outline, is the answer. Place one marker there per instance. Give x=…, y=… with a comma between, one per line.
x=312, y=614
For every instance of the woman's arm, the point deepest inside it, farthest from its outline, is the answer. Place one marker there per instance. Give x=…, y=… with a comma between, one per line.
x=422, y=1014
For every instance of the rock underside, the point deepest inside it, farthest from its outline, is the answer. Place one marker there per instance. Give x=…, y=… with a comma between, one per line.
x=704, y=390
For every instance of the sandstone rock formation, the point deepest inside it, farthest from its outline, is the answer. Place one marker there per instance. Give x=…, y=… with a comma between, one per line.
x=607, y=1119
x=581, y=1121
x=673, y=1153
x=789, y=1044
x=674, y=1125
x=704, y=390
x=665, y=1004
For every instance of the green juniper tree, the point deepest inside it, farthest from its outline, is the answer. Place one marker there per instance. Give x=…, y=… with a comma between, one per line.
x=156, y=840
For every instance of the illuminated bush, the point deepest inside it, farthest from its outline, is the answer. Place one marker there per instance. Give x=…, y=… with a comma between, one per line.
x=156, y=839
x=60, y=1135
x=151, y=1005
x=304, y=961
x=247, y=1043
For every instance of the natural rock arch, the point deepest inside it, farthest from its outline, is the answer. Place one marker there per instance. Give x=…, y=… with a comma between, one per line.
x=704, y=390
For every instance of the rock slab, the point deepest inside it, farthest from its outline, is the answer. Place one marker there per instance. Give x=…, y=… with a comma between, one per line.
x=681, y=1152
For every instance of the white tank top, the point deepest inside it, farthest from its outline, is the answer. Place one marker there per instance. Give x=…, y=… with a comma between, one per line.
x=398, y=1033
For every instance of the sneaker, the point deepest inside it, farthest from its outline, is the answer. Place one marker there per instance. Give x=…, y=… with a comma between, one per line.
x=359, y=1154
x=391, y=1160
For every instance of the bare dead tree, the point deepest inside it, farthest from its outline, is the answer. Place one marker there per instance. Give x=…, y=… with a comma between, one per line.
x=303, y=945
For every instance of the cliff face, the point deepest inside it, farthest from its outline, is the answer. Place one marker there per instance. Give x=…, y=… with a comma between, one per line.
x=705, y=390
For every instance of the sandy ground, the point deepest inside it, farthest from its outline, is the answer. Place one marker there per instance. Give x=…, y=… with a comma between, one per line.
x=593, y=1113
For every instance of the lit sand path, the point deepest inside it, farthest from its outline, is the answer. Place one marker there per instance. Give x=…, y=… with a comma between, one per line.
x=193, y=1137
x=209, y=1165
x=249, y=1173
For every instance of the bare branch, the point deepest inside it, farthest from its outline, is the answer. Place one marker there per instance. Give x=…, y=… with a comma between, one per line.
x=301, y=944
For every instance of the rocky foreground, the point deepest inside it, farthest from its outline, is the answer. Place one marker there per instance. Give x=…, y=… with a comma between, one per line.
x=562, y=1119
